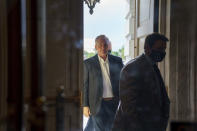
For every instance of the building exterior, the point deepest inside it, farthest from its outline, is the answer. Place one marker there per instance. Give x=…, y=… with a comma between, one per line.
x=129, y=30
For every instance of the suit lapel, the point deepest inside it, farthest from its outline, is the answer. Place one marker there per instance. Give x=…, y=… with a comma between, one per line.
x=110, y=66
x=154, y=74
x=98, y=68
x=111, y=71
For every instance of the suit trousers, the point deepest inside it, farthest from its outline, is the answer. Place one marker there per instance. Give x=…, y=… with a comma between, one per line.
x=103, y=120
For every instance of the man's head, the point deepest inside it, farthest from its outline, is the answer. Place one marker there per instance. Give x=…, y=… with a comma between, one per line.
x=109, y=45
x=101, y=45
x=155, y=46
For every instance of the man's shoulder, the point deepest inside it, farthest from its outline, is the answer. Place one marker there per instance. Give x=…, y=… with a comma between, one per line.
x=135, y=63
x=116, y=58
x=89, y=60
x=135, y=60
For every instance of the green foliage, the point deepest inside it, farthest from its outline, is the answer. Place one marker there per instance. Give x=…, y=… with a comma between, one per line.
x=119, y=53
x=88, y=54
x=115, y=53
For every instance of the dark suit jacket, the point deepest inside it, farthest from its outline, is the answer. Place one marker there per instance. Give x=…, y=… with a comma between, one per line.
x=143, y=106
x=93, y=81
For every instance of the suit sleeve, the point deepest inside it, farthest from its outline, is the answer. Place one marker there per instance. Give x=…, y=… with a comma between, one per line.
x=129, y=93
x=86, y=86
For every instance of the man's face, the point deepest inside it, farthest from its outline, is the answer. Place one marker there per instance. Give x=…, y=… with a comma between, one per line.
x=159, y=45
x=157, y=52
x=102, y=47
x=109, y=47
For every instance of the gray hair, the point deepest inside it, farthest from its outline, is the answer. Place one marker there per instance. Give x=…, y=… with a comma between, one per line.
x=100, y=37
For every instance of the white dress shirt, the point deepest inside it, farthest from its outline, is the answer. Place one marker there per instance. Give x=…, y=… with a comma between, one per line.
x=107, y=88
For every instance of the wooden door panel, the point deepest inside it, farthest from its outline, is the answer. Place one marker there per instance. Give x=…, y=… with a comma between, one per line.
x=144, y=11
x=3, y=65
x=144, y=17
x=64, y=22
x=146, y=21
x=141, y=45
x=72, y=120
x=50, y=121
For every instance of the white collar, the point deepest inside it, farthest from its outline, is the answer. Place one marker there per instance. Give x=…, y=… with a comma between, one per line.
x=101, y=59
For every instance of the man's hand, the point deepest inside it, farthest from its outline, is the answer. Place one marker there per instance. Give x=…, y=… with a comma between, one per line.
x=86, y=111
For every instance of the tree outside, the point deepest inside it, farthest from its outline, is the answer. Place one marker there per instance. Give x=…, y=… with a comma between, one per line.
x=87, y=54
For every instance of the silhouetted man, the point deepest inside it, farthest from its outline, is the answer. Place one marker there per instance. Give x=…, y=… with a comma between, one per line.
x=101, y=87
x=144, y=100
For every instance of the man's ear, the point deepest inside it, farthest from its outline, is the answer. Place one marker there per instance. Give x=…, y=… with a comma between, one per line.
x=148, y=50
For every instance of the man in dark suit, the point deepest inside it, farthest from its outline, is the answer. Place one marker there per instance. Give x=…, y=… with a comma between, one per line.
x=101, y=87
x=143, y=97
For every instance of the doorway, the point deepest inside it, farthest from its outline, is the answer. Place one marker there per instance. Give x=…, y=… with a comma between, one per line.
x=108, y=19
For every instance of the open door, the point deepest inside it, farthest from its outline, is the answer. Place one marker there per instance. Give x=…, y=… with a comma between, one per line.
x=54, y=65
x=64, y=64
x=146, y=22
